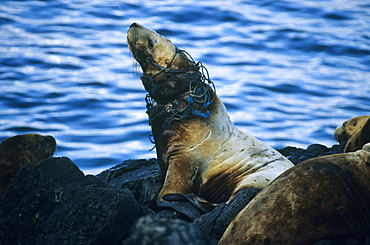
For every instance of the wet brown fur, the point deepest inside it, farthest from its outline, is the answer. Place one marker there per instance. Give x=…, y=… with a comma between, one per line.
x=204, y=155
x=19, y=150
x=355, y=133
x=324, y=197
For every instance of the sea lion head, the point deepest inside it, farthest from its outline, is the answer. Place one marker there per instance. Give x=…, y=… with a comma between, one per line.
x=22, y=149
x=167, y=70
x=17, y=151
x=349, y=128
x=354, y=133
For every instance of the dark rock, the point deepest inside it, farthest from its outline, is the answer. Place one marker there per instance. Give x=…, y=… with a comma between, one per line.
x=170, y=214
x=297, y=155
x=338, y=148
x=126, y=166
x=343, y=241
x=53, y=202
x=142, y=177
x=215, y=223
x=289, y=150
x=152, y=230
x=317, y=149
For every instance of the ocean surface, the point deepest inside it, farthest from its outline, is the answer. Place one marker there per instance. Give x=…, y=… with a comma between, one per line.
x=289, y=72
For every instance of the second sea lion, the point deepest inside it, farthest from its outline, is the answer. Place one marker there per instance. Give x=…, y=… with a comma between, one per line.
x=355, y=133
x=18, y=150
x=326, y=197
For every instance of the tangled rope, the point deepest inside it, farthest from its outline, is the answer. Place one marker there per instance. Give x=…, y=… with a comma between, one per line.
x=192, y=103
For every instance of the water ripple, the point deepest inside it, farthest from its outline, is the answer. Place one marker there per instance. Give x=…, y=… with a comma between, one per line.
x=288, y=72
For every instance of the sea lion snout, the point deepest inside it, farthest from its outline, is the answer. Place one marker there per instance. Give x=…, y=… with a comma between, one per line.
x=150, y=49
x=133, y=25
x=48, y=143
x=164, y=66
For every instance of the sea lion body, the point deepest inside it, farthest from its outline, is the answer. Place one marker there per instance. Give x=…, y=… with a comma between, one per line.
x=324, y=197
x=19, y=150
x=210, y=157
x=198, y=148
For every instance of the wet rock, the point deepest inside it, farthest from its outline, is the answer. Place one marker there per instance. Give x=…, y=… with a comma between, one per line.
x=142, y=177
x=317, y=149
x=152, y=230
x=215, y=223
x=297, y=155
x=53, y=202
x=343, y=241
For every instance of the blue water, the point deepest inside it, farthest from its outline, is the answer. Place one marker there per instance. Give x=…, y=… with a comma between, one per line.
x=288, y=72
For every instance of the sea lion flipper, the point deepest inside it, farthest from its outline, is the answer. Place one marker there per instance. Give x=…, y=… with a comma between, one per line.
x=190, y=205
x=200, y=203
x=185, y=208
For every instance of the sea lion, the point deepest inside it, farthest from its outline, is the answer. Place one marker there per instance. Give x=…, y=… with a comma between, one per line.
x=323, y=197
x=199, y=149
x=355, y=133
x=18, y=150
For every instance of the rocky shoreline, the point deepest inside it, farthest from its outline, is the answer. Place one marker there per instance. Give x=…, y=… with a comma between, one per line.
x=53, y=202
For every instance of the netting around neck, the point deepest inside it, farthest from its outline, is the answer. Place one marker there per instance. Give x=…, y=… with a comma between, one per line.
x=193, y=103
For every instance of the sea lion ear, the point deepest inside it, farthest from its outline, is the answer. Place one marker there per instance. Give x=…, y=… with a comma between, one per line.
x=365, y=133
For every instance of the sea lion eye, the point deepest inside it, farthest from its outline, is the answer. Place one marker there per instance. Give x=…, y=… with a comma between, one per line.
x=354, y=123
x=150, y=43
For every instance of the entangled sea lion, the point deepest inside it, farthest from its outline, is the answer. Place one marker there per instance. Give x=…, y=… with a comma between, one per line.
x=354, y=132
x=19, y=150
x=199, y=149
x=324, y=197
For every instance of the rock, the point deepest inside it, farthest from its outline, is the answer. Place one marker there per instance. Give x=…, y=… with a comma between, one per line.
x=317, y=149
x=343, y=241
x=215, y=223
x=53, y=202
x=152, y=230
x=142, y=177
x=297, y=155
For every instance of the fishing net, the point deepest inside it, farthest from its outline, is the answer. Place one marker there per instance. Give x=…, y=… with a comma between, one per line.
x=193, y=103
